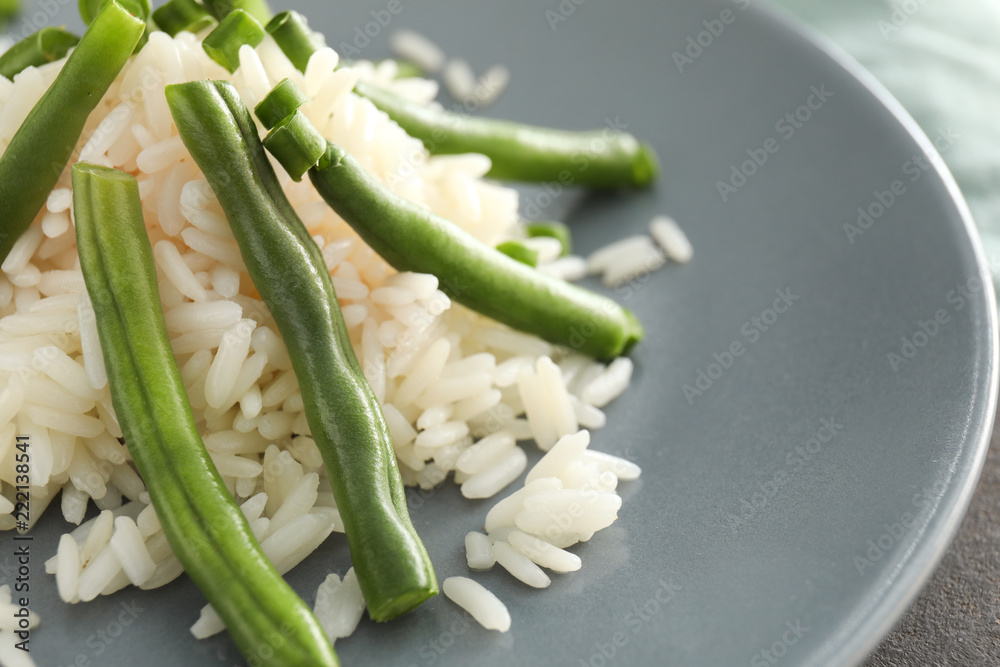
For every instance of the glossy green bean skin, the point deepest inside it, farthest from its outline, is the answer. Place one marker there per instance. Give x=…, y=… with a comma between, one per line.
x=45, y=46
x=344, y=416
x=41, y=147
x=599, y=159
x=411, y=238
x=605, y=158
x=205, y=528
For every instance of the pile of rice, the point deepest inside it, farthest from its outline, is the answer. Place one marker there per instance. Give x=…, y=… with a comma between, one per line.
x=459, y=391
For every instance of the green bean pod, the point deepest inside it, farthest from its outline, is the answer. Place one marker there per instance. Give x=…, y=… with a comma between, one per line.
x=600, y=159
x=412, y=238
x=41, y=147
x=605, y=158
x=45, y=46
x=205, y=527
x=255, y=8
x=344, y=416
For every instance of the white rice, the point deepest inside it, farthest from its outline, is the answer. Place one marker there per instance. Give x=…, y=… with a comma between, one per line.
x=570, y=268
x=672, y=239
x=339, y=605
x=543, y=553
x=610, y=384
x=483, y=605
x=520, y=565
x=459, y=79
x=492, y=84
x=414, y=47
x=491, y=481
x=458, y=390
x=479, y=551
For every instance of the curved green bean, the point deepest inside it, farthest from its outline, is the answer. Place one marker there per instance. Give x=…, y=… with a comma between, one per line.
x=601, y=158
x=605, y=158
x=344, y=416
x=45, y=46
x=412, y=238
x=205, y=528
x=41, y=147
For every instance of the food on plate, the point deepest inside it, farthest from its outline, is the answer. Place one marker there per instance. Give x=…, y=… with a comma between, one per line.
x=343, y=414
x=332, y=339
x=199, y=516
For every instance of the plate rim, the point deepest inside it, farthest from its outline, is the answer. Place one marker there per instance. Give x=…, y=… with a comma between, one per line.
x=879, y=619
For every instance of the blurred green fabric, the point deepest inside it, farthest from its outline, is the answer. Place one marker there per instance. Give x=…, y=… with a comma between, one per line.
x=941, y=59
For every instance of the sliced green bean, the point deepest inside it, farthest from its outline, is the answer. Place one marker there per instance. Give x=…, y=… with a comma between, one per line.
x=296, y=143
x=179, y=15
x=45, y=46
x=412, y=238
x=41, y=147
x=601, y=158
x=224, y=42
x=138, y=8
x=344, y=415
x=90, y=8
x=8, y=8
x=291, y=31
x=522, y=253
x=556, y=230
x=279, y=103
x=205, y=527
x=255, y=8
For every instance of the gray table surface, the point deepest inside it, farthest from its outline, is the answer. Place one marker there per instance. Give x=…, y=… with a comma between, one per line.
x=956, y=619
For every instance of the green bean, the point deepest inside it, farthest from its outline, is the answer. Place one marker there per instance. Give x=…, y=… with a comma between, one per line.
x=601, y=158
x=178, y=15
x=224, y=42
x=90, y=8
x=522, y=253
x=137, y=8
x=291, y=31
x=279, y=103
x=45, y=46
x=556, y=230
x=255, y=8
x=407, y=70
x=200, y=519
x=411, y=238
x=8, y=8
x=344, y=415
x=41, y=147
x=296, y=143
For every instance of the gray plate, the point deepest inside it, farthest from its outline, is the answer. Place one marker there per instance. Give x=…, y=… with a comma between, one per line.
x=757, y=525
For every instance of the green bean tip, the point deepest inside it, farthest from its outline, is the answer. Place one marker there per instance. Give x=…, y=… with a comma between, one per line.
x=646, y=166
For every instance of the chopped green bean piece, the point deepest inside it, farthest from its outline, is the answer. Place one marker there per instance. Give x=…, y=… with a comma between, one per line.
x=41, y=147
x=522, y=253
x=223, y=44
x=45, y=46
x=89, y=8
x=8, y=8
x=282, y=101
x=556, y=230
x=291, y=31
x=258, y=9
x=296, y=144
x=407, y=70
x=179, y=15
